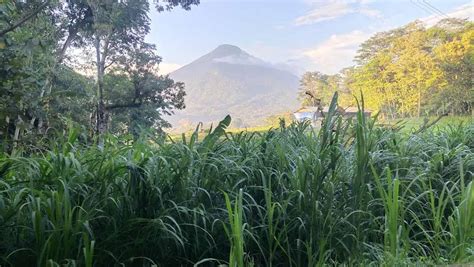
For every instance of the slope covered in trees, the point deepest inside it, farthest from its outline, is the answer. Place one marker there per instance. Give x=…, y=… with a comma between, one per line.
x=406, y=72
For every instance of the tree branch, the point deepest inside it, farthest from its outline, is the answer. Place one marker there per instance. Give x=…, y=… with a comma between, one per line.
x=127, y=105
x=110, y=64
x=72, y=34
x=25, y=19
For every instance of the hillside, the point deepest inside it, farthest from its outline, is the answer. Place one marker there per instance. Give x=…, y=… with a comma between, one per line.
x=229, y=80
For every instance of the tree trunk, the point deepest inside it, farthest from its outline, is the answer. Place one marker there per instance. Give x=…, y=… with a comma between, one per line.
x=419, y=103
x=48, y=86
x=101, y=122
x=16, y=135
x=72, y=34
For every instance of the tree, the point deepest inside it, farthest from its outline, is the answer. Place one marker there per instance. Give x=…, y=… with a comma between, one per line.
x=375, y=81
x=9, y=6
x=456, y=59
x=72, y=99
x=382, y=41
x=25, y=53
x=412, y=71
x=113, y=28
x=73, y=21
x=318, y=85
x=38, y=86
x=415, y=71
x=138, y=97
x=118, y=27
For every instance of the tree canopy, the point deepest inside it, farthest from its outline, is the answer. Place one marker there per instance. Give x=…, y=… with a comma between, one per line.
x=409, y=71
x=41, y=88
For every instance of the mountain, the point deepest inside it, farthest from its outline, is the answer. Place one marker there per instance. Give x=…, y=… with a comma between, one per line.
x=229, y=80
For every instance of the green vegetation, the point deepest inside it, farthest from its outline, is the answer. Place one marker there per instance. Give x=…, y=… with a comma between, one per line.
x=88, y=177
x=351, y=193
x=410, y=125
x=411, y=71
x=46, y=47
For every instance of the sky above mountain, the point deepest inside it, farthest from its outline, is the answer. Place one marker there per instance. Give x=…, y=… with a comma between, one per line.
x=306, y=34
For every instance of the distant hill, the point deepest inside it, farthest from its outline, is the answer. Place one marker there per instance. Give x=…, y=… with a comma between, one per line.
x=228, y=80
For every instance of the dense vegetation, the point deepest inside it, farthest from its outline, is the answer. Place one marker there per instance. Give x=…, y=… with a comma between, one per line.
x=411, y=71
x=87, y=177
x=351, y=193
x=87, y=61
x=84, y=61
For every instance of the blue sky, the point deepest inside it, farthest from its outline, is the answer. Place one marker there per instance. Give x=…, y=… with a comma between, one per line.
x=308, y=34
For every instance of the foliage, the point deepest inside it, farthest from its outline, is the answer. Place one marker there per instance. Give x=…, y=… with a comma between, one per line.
x=40, y=89
x=25, y=64
x=351, y=193
x=456, y=58
x=320, y=85
x=138, y=97
x=407, y=72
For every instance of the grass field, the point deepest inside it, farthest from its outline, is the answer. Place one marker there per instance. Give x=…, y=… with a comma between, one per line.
x=412, y=124
x=406, y=125
x=354, y=194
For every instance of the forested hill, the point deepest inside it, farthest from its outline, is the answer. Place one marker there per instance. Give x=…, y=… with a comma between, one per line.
x=229, y=80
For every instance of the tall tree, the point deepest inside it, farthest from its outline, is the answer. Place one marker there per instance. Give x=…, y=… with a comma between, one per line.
x=375, y=81
x=36, y=38
x=118, y=26
x=415, y=71
x=8, y=6
x=456, y=59
x=138, y=97
x=383, y=41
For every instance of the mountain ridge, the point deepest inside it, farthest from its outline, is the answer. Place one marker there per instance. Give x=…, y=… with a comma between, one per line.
x=228, y=80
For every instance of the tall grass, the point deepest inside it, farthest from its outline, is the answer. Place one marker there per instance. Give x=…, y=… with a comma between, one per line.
x=350, y=193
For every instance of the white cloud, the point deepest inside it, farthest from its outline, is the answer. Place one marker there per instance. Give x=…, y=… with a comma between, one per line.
x=166, y=68
x=337, y=52
x=241, y=59
x=326, y=12
x=329, y=10
x=465, y=12
x=372, y=13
